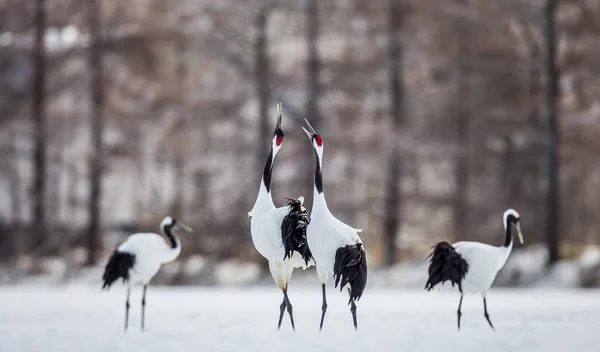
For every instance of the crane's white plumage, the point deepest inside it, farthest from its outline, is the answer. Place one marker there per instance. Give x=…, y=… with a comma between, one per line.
x=139, y=258
x=336, y=246
x=484, y=263
x=471, y=267
x=326, y=234
x=279, y=234
x=265, y=228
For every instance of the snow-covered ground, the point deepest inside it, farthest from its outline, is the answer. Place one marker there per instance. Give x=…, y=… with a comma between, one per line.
x=76, y=318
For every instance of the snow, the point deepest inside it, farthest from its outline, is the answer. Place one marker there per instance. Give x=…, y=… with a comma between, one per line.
x=563, y=274
x=76, y=318
x=233, y=273
x=524, y=266
x=590, y=257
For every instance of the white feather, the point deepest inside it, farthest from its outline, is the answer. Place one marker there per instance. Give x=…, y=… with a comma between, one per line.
x=325, y=234
x=150, y=251
x=265, y=229
x=485, y=261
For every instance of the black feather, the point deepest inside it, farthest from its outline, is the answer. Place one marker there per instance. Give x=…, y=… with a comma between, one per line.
x=293, y=231
x=446, y=265
x=117, y=267
x=350, y=267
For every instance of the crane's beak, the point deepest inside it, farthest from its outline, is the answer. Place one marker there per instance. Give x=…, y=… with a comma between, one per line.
x=184, y=227
x=311, y=131
x=279, y=115
x=310, y=128
x=307, y=133
x=518, y=225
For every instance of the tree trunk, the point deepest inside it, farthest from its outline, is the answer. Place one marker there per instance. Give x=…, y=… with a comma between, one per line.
x=462, y=122
x=179, y=159
x=393, y=200
x=179, y=182
x=509, y=179
x=313, y=66
x=39, y=230
x=552, y=147
x=313, y=89
x=97, y=127
x=14, y=181
x=536, y=117
x=261, y=58
x=262, y=86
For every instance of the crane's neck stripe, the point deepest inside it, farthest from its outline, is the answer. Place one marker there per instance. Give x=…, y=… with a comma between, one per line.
x=509, y=221
x=170, y=236
x=267, y=171
x=318, y=174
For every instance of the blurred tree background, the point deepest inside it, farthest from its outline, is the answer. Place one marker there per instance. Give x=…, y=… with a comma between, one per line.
x=437, y=116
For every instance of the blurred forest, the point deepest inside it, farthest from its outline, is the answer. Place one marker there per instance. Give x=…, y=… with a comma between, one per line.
x=437, y=116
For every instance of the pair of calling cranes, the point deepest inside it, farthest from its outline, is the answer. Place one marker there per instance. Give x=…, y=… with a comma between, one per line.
x=289, y=239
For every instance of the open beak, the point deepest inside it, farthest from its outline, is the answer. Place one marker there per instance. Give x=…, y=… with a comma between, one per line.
x=279, y=114
x=307, y=133
x=311, y=131
x=184, y=227
x=310, y=128
x=520, y=232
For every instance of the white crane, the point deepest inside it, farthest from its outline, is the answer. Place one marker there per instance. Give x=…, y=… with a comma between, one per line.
x=279, y=234
x=336, y=247
x=472, y=266
x=140, y=257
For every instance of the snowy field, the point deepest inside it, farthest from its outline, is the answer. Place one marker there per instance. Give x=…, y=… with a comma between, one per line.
x=244, y=319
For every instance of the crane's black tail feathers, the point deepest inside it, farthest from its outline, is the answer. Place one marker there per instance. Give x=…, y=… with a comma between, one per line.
x=293, y=231
x=350, y=267
x=446, y=265
x=117, y=267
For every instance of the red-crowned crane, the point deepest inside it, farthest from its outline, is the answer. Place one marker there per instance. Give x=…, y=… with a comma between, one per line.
x=139, y=258
x=472, y=266
x=279, y=234
x=336, y=247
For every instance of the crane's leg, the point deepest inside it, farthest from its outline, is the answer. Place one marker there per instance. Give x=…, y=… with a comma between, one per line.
x=323, y=307
x=144, y=306
x=282, y=272
x=353, y=310
x=289, y=308
x=458, y=312
x=127, y=307
x=485, y=313
x=281, y=311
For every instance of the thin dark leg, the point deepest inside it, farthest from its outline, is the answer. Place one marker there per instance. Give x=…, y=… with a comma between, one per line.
x=144, y=306
x=281, y=310
x=127, y=308
x=458, y=313
x=353, y=310
x=289, y=308
x=487, y=316
x=323, y=308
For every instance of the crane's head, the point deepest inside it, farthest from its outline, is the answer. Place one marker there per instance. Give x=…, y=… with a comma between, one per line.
x=512, y=217
x=278, y=133
x=315, y=139
x=170, y=223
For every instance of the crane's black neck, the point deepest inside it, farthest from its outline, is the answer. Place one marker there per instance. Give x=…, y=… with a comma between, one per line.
x=267, y=171
x=510, y=220
x=318, y=174
x=508, y=239
x=168, y=229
